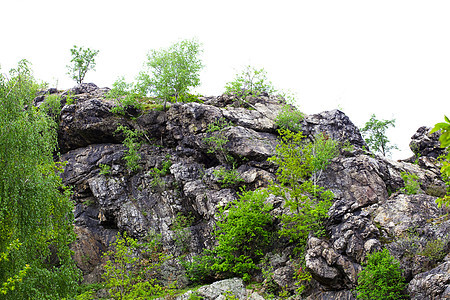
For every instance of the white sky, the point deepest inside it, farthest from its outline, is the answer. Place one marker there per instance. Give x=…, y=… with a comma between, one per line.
x=391, y=58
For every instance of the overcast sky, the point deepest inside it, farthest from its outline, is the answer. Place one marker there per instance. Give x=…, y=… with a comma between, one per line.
x=389, y=58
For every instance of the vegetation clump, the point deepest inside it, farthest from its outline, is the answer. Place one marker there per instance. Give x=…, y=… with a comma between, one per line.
x=131, y=141
x=156, y=173
x=251, y=81
x=125, y=96
x=381, y=278
x=216, y=139
x=412, y=185
x=243, y=233
x=308, y=203
x=444, y=128
x=290, y=118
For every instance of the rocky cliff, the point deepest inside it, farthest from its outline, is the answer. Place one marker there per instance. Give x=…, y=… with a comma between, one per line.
x=369, y=210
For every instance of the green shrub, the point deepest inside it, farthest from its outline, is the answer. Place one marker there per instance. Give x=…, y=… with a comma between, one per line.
x=52, y=106
x=172, y=71
x=412, y=186
x=216, y=139
x=307, y=202
x=290, y=119
x=127, y=276
x=374, y=133
x=243, y=232
x=199, y=270
x=132, y=156
x=381, y=278
x=182, y=234
x=228, y=178
x=250, y=81
x=435, y=249
x=157, y=173
x=321, y=152
x=70, y=100
x=444, y=129
x=125, y=97
x=104, y=169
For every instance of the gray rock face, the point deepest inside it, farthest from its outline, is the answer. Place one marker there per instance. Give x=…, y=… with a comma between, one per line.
x=356, y=182
x=332, y=295
x=425, y=144
x=334, y=124
x=329, y=267
x=87, y=121
x=433, y=284
x=402, y=212
x=368, y=213
x=218, y=290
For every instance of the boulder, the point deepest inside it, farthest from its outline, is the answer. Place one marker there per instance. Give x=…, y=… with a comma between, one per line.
x=433, y=284
x=219, y=290
x=425, y=144
x=87, y=122
x=334, y=124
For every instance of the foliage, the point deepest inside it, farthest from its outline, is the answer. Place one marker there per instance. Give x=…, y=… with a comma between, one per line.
x=412, y=186
x=195, y=296
x=52, y=106
x=35, y=209
x=435, y=249
x=132, y=156
x=227, y=178
x=10, y=283
x=250, y=81
x=182, y=234
x=290, y=118
x=157, y=173
x=321, y=151
x=199, y=270
x=186, y=98
x=69, y=99
x=127, y=276
x=229, y=295
x=374, y=132
x=216, y=139
x=444, y=128
x=381, y=278
x=172, y=71
x=125, y=95
x=308, y=203
x=105, y=169
x=82, y=61
x=242, y=234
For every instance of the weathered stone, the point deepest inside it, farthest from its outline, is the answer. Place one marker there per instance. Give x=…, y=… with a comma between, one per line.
x=334, y=124
x=85, y=123
x=433, y=284
x=218, y=290
x=328, y=266
x=356, y=183
x=401, y=213
x=332, y=295
x=425, y=144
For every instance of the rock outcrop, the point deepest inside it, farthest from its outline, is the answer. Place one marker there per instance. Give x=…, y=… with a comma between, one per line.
x=369, y=211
